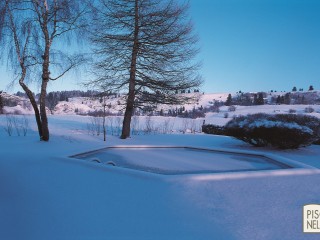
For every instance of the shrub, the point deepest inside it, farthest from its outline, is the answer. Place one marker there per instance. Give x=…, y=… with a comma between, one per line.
x=19, y=124
x=213, y=129
x=304, y=120
x=308, y=110
x=232, y=108
x=214, y=108
x=285, y=131
x=17, y=112
x=292, y=110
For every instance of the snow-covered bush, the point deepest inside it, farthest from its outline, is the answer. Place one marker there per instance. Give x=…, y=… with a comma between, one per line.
x=149, y=125
x=185, y=125
x=118, y=125
x=167, y=126
x=19, y=124
x=285, y=131
x=213, y=129
x=95, y=126
x=134, y=125
x=308, y=110
x=9, y=126
x=232, y=108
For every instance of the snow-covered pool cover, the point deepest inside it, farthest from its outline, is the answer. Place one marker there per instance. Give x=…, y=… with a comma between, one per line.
x=180, y=160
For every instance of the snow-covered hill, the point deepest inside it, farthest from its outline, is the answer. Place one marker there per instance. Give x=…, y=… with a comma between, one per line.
x=114, y=104
x=15, y=104
x=213, y=102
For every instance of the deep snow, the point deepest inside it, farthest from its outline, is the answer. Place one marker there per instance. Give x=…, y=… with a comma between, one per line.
x=171, y=160
x=44, y=194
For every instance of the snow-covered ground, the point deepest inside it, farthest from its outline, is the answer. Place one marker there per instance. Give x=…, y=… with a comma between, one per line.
x=44, y=194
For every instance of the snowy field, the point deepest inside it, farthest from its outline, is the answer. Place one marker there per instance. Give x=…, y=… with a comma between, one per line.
x=44, y=194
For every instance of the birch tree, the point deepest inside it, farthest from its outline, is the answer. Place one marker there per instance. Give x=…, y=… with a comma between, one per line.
x=31, y=32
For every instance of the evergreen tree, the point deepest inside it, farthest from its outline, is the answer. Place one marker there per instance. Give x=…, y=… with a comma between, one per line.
x=260, y=99
x=287, y=98
x=255, y=99
x=247, y=101
x=294, y=89
x=52, y=100
x=229, y=100
x=311, y=88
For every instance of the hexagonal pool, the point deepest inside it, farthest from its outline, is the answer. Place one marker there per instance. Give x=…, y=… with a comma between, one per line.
x=181, y=160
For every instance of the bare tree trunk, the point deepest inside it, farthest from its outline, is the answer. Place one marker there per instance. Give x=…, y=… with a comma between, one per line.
x=32, y=101
x=128, y=113
x=43, y=94
x=131, y=94
x=45, y=74
x=43, y=113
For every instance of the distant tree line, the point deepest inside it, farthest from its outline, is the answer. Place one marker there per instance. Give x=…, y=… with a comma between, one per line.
x=294, y=89
x=53, y=98
x=260, y=98
x=296, y=98
x=183, y=113
x=246, y=99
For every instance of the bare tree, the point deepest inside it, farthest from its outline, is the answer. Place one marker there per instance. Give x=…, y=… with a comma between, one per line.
x=103, y=97
x=28, y=30
x=145, y=48
x=19, y=33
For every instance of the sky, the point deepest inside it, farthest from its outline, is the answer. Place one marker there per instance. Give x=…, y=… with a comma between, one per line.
x=255, y=45
x=247, y=45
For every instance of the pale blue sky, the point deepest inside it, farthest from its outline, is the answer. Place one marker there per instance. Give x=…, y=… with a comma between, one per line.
x=250, y=45
x=254, y=45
